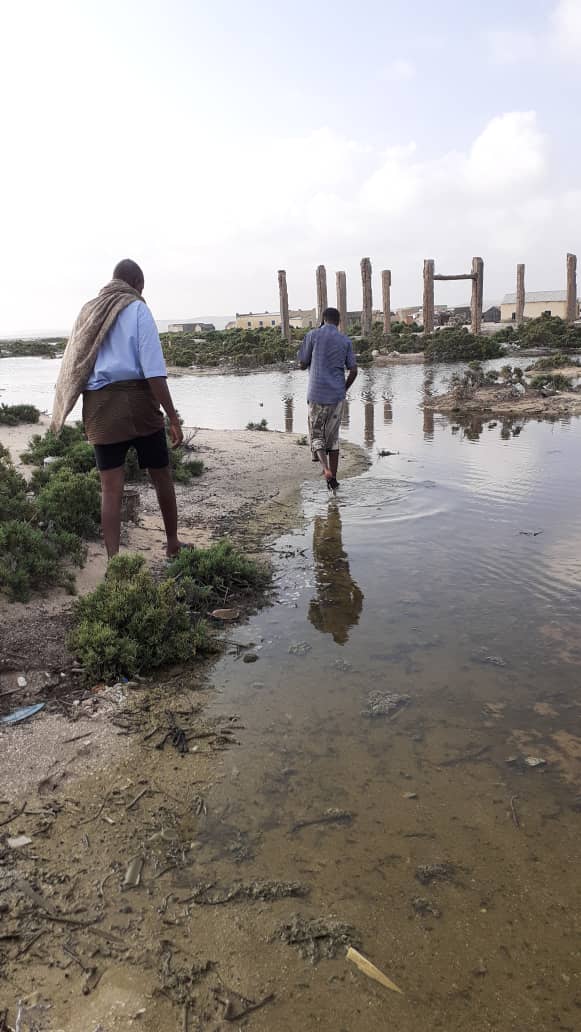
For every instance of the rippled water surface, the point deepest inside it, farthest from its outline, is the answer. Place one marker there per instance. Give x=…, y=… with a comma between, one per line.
x=449, y=574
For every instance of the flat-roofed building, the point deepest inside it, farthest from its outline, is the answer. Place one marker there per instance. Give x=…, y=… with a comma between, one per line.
x=537, y=302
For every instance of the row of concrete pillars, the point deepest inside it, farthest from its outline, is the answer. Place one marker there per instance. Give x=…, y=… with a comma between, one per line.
x=476, y=275
x=341, y=284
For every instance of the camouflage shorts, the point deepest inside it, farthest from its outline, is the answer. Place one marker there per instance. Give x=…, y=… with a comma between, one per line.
x=324, y=424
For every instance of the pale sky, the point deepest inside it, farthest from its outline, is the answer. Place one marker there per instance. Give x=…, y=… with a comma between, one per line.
x=216, y=142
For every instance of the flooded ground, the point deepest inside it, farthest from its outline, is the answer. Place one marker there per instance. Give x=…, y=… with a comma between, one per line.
x=407, y=766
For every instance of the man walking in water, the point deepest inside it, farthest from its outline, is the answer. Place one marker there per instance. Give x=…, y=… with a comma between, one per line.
x=326, y=353
x=114, y=359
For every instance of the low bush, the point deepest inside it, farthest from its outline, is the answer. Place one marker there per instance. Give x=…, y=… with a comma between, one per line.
x=32, y=560
x=549, y=331
x=14, y=505
x=553, y=362
x=12, y=415
x=263, y=425
x=43, y=445
x=212, y=574
x=556, y=382
x=458, y=344
x=132, y=623
x=71, y=502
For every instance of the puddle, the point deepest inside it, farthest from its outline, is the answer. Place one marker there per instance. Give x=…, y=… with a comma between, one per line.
x=403, y=825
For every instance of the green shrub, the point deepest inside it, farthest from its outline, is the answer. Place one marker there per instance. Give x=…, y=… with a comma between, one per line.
x=71, y=502
x=263, y=425
x=553, y=362
x=131, y=623
x=14, y=504
x=557, y=382
x=458, y=344
x=31, y=560
x=41, y=446
x=211, y=574
x=11, y=415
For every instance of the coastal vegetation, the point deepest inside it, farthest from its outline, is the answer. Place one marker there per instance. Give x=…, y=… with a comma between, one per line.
x=12, y=415
x=134, y=622
x=45, y=522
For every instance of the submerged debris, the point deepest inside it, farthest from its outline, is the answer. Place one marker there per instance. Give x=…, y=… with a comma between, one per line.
x=133, y=873
x=483, y=657
x=299, y=648
x=423, y=907
x=317, y=938
x=524, y=762
x=264, y=891
x=427, y=873
x=237, y=1006
x=331, y=816
x=384, y=704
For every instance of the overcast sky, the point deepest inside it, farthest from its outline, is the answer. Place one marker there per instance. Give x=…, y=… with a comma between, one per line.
x=216, y=142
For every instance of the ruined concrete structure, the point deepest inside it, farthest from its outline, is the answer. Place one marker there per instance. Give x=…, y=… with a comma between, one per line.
x=321, y=281
x=367, y=309
x=477, y=278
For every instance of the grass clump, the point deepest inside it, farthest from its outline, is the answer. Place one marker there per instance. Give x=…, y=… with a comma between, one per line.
x=14, y=504
x=58, y=445
x=263, y=425
x=12, y=415
x=132, y=623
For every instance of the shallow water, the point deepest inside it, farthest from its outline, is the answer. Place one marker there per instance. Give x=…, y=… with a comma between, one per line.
x=449, y=573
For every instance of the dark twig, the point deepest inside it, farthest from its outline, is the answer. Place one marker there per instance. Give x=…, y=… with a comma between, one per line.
x=514, y=811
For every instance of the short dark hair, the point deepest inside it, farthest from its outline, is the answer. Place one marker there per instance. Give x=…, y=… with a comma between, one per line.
x=129, y=271
x=331, y=315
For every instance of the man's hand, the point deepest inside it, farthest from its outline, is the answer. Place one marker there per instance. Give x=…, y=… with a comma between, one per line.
x=175, y=432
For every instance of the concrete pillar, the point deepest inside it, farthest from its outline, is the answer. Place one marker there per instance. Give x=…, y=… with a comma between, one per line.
x=477, y=294
x=321, y=279
x=342, y=300
x=520, y=294
x=284, y=316
x=367, y=308
x=428, y=312
x=571, y=288
x=386, y=291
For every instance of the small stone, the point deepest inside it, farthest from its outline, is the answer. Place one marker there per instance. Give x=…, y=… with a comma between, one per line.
x=535, y=761
x=481, y=970
x=22, y=682
x=19, y=841
x=427, y=873
x=250, y=657
x=410, y=795
x=299, y=648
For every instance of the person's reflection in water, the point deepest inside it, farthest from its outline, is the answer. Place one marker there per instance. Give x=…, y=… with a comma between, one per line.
x=387, y=412
x=288, y=414
x=345, y=415
x=428, y=424
x=339, y=600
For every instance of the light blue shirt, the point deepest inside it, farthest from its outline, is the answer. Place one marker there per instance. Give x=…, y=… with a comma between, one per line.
x=131, y=350
x=327, y=354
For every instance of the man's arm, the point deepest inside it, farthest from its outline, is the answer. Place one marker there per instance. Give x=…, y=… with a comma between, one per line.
x=160, y=391
x=154, y=371
x=306, y=351
x=351, y=377
x=351, y=364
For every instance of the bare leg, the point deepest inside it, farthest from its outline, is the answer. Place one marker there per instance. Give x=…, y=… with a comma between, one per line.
x=334, y=462
x=166, y=496
x=112, y=481
x=322, y=457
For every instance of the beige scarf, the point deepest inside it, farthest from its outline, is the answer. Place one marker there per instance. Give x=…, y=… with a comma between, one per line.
x=91, y=327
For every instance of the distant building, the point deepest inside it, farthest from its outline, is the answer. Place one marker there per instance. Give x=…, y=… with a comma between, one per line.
x=190, y=327
x=256, y=320
x=491, y=314
x=303, y=319
x=539, y=302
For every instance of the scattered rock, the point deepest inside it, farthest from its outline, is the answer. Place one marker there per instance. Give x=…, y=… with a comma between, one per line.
x=410, y=795
x=225, y=614
x=330, y=816
x=524, y=762
x=317, y=937
x=535, y=761
x=384, y=704
x=250, y=657
x=427, y=873
x=481, y=970
x=21, y=682
x=483, y=657
x=299, y=648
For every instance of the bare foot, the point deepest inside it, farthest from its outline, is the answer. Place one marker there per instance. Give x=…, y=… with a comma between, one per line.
x=175, y=548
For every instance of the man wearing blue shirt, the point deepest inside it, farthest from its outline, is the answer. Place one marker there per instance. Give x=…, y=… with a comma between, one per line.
x=121, y=408
x=327, y=353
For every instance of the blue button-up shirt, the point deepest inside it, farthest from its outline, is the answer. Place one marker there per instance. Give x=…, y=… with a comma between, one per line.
x=130, y=351
x=327, y=354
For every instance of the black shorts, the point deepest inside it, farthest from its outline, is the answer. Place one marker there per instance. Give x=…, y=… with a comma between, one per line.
x=152, y=452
